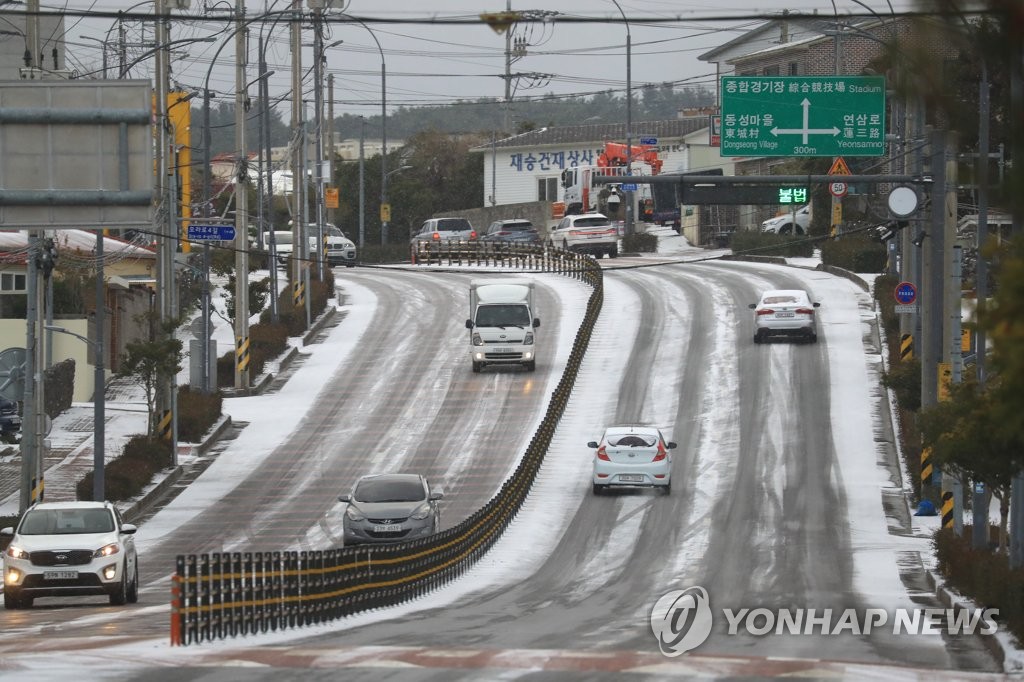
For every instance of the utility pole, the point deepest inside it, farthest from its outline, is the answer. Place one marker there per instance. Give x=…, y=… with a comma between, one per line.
x=269, y=191
x=167, y=227
x=299, y=293
x=318, y=136
x=242, y=349
x=330, y=135
x=362, y=183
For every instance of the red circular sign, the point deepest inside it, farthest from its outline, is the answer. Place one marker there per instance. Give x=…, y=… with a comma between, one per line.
x=837, y=189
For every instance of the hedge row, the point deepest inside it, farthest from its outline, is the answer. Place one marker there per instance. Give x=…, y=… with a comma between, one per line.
x=983, y=576
x=126, y=476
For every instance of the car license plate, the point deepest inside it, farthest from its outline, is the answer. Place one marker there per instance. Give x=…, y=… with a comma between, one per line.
x=390, y=528
x=60, y=575
x=502, y=350
x=631, y=478
x=783, y=314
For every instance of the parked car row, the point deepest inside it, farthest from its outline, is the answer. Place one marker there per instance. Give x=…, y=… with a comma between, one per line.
x=340, y=249
x=592, y=233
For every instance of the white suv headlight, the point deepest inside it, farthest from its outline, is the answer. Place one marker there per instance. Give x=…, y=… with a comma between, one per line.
x=16, y=552
x=107, y=550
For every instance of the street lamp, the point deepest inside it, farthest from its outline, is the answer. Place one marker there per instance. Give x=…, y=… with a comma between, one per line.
x=629, y=119
x=385, y=209
x=103, y=48
x=99, y=397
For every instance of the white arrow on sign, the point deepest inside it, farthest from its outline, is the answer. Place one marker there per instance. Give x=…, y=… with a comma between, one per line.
x=805, y=131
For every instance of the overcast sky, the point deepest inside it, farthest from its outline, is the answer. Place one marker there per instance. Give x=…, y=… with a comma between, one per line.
x=428, y=61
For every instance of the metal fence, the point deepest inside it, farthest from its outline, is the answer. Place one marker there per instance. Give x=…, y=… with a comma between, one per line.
x=230, y=594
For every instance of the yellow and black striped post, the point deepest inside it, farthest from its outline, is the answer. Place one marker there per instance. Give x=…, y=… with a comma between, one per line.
x=907, y=347
x=947, y=508
x=242, y=355
x=298, y=294
x=926, y=466
x=38, y=488
x=163, y=427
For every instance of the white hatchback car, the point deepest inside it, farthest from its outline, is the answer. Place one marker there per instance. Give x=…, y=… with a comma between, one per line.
x=587, y=233
x=785, y=312
x=70, y=548
x=632, y=456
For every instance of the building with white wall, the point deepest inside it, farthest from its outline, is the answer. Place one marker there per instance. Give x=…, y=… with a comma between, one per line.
x=528, y=167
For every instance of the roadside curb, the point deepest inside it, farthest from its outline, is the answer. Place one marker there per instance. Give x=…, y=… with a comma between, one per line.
x=141, y=505
x=952, y=600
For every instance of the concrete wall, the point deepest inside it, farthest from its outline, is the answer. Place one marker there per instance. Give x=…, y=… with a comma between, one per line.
x=12, y=335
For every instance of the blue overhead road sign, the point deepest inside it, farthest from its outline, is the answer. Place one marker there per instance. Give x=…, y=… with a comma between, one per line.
x=648, y=140
x=211, y=233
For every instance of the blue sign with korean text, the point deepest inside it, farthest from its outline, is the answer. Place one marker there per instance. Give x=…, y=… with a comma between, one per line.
x=648, y=140
x=628, y=187
x=905, y=293
x=211, y=233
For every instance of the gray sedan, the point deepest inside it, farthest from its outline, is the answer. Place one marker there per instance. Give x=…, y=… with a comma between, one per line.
x=390, y=508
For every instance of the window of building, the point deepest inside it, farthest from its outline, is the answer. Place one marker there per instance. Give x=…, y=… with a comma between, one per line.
x=547, y=189
x=12, y=282
x=794, y=69
x=771, y=70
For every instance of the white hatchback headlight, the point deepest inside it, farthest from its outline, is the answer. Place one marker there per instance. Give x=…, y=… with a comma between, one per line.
x=354, y=514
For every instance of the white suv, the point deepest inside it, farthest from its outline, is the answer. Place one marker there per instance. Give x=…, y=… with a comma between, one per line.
x=783, y=223
x=586, y=233
x=70, y=548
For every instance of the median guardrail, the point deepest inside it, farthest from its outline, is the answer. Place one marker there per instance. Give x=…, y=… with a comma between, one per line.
x=228, y=594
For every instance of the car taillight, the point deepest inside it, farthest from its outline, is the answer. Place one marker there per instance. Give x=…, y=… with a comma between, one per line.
x=662, y=453
x=601, y=454
x=472, y=234
x=805, y=311
x=765, y=311
x=436, y=236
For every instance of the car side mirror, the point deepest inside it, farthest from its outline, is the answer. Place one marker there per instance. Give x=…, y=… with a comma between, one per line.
x=670, y=445
x=752, y=306
x=345, y=498
x=129, y=528
x=436, y=495
x=536, y=322
x=816, y=304
x=592, y=444
x=469, y=324
x=9, y=530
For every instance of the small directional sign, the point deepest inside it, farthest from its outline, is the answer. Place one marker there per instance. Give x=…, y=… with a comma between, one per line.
x=211, y=233
x=628, y=187
x=905, y=293
x=648, y=140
